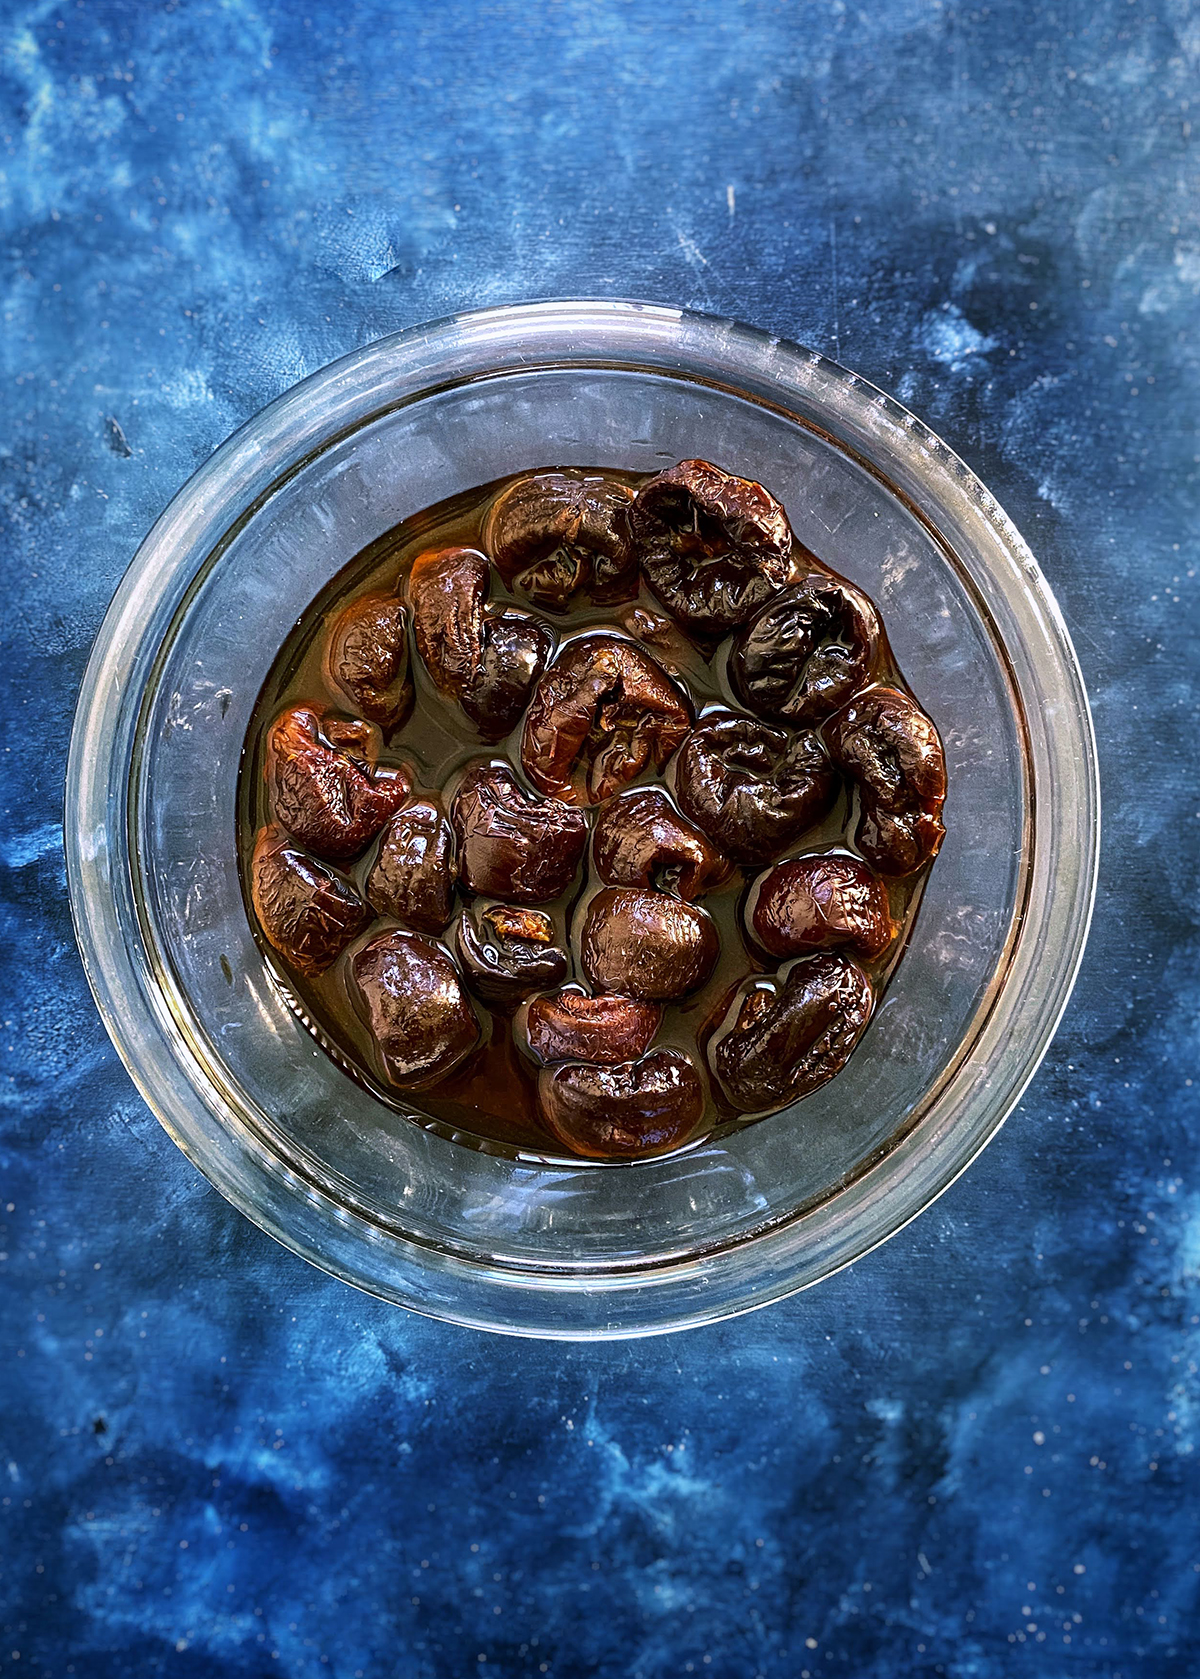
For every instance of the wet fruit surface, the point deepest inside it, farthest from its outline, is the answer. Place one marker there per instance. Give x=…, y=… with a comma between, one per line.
x=586, y=813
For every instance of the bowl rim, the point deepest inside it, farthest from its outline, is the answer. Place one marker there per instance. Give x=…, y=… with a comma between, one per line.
x=241, y=474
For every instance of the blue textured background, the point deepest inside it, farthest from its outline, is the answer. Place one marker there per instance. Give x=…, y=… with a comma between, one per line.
x=974, y=1454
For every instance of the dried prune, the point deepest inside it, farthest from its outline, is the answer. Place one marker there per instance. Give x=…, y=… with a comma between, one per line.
x=625, y=1112
x=646, y=944
x=512, y=844
x=570, y=1026
x=640, y=839
x=807, y=652
x=886, y=743
x=820, y=902
x=714, y=547
x=751, y=788
x=555, y=533
x=779, y=1042
x=308, y=912
x=507, y=953
x=367, y=658
x=602, y=712
x=409, y=992
x=413, y=876
x=486, y=658
x=326, y=789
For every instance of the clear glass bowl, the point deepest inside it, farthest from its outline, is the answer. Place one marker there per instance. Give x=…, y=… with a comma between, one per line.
x=523, y=1246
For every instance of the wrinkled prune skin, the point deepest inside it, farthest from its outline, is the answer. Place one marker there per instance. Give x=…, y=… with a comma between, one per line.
x=807, y=652
x=367, y=658
x=570, y=1026
x=556, y=533
x=646, y=944
x=640, y=839
x=485, y=658
x=410, y=995
x=625, y=1112
x=512, y=844
x=413, y=876
x=714, y=548
x=325, y=787
x=750, y=788
x=307, y=912
x=602, y=712
x=508, y=953
x=823, y=902
x=779, y=1042
x=884, y=741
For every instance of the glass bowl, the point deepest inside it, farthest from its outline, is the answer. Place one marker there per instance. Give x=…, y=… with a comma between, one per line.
x=521, y=1245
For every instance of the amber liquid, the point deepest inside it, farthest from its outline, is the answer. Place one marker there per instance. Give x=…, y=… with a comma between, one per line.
x=490, y=1100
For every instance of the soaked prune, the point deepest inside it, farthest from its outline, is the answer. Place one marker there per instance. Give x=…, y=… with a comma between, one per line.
x=511, y=844
x=640, y=839
x=367, y=658
x=420, y=1018
x=602, y=712
x=625, y=1112
x=807, y=652
x=554, y=534
x=714, y=548
x=780, y=1041
x=507, y=953
x=751, y=788
x=570, y=1026
x=884, y=741
x=308, y=912
x=646, y=944
x=486, y=658
x=326, y=789
x=820, y=902
x=413, y=876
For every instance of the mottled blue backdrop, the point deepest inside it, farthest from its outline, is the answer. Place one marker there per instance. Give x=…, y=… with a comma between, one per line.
x=972, y=1455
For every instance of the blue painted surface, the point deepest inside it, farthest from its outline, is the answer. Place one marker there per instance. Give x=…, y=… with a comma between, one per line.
x=976, y=1446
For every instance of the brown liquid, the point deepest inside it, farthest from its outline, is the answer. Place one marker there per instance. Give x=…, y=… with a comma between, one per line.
x=490, y=1101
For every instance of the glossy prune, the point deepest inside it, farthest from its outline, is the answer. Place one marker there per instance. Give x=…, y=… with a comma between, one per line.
x=602, y=712
x=307, y=911
x=325, y=787
x=640, y=839
x=512, y=844
x=646, y=944
x=780, y=1041
x=807, y=652
x=488, y=659
x=555, y=533
x=714, y=547
x=420, y=1018
x=750, y=788
x=413, y=876
x=820, y=902
x=625, y=1112
x=508, y=953
x=570, y=1026
x=884, y=741
x=367, y=658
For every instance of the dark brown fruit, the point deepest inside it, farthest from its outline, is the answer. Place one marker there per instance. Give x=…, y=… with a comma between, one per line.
x=413, y=876
x=325, y=787
x=884, y=741
x=367, y=658
x=807, y=652
x=646, y=944
x=779, y=1042
x=640, y=839
x=307, y=912
x=820, y=903
x=625, y=1112
x=512, y=844
x=750, y=788
x=409, y=993
x=570, y=1026
x=508, y=953
x=554, y=534
x=602, y=712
